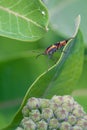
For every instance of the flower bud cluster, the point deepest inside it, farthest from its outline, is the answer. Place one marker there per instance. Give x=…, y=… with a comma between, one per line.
x=57, y=113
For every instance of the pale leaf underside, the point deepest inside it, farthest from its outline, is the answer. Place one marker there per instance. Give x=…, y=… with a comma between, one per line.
x=20, y=19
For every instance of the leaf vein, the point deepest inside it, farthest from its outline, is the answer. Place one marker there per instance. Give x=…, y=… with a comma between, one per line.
x=31, y=12
x=17, y=3
x=21, y=16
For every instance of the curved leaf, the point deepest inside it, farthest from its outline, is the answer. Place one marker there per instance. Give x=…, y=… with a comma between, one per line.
x=25, y=20
x=60, y=79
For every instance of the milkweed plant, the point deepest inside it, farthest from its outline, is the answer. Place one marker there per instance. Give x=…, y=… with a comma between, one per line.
x=48, y=104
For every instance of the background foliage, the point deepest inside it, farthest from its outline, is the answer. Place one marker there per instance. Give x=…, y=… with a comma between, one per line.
x=18, y=65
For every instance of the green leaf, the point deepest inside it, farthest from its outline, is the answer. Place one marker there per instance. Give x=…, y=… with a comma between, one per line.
x=82, y=83
x=80, y=93
x=60, y=78
x=63, y=12
x=24, y=20
x=82, y=100
x=13, y=49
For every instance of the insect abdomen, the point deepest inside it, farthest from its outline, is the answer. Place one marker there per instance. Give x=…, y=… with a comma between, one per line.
x=50, y=50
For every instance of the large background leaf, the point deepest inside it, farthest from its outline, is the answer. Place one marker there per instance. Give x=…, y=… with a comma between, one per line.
x=55, y=81
x=62, y=13
x=23, y=19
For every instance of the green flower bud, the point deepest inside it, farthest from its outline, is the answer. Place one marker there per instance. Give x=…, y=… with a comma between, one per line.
x=77, y=128
x=68, y=99
x=47, y=113
x=35, y=115
x=82, y=123
x=29, y=125
x=25, y=111
x=61, y=114
x=44, y=103
x=54, y=124
x=33, y=103
x=78, y=112
x=54, y=106
x=42, y=125
x=72, y=119
x=65, y=126
x=85, y=117
x=68, y=106
x=57, y=99
x=19, y=128
x=24, y=120
x=77, y=106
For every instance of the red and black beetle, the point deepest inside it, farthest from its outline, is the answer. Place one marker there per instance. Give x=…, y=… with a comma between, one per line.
x=53, y=48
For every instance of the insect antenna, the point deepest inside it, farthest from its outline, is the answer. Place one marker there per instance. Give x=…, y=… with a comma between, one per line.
x=39, y=55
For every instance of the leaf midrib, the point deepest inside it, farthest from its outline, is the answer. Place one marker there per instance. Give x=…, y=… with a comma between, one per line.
x=21, y=16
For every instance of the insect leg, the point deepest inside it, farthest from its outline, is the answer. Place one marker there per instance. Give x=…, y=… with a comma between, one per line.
x=54, y=59
x=61, y=49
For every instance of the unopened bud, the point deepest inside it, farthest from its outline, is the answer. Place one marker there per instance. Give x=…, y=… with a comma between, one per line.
x=57, y=99
x=19, y=128
x=78, y=112
x=77, y=106
x=42, y=125
x=44, y=103
x=65, y=126
x=85, y=117
x=53, y=124
x=47, y=113
x=29, y=125
x=33, y=103
x=35, y=115
x=77, y=128
x=68, y=99
x=24, y=120
x=54, y=106
x=61, y=114
x=72, y=119
x=68, y=106
x=25, y=111
x=82, y=123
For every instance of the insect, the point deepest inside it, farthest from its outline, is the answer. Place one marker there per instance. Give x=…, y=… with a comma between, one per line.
x=53, y=48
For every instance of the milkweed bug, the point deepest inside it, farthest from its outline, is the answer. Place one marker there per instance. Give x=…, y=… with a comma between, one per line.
x=53, y=48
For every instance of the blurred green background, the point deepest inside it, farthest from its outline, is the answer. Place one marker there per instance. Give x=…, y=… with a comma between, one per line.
x=18, y=69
